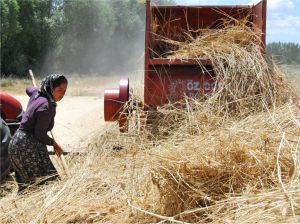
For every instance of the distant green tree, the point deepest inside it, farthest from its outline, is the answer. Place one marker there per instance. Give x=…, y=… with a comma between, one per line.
x=284, y=52
x=10, y=25
x=11, y=57
x=57, y=26
x=99, y=36
x=88, y=27
x=25, y=34
x=35, y=37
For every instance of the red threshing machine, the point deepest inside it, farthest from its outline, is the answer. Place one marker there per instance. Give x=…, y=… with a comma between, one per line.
x=170, y=80
x=11, y=115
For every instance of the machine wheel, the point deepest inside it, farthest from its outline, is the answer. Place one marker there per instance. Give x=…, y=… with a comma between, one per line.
x=4, y=159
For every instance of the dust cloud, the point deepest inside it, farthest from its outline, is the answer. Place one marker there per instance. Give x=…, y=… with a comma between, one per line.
x=96, y=52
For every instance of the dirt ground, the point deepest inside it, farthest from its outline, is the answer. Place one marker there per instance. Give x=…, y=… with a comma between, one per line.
x=77, y=119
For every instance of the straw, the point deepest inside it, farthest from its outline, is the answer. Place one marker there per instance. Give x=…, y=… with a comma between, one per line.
x=233, y=157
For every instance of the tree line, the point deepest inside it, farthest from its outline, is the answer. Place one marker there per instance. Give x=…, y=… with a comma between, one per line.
x=287, y=53
x=83, y=36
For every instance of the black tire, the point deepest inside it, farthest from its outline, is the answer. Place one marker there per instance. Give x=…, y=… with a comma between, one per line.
x=4, y=159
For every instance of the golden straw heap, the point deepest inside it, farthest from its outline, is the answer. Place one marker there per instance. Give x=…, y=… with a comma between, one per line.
x=230, y=156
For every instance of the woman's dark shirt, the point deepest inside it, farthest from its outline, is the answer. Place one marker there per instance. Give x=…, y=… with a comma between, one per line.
x=38, y=118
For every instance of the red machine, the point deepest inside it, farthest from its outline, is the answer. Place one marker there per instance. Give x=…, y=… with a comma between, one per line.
x=170, y=80
x=11, y=115
x=11, y=108
x=11, y=111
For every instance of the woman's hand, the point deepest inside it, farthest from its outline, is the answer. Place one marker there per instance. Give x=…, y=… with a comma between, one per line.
x=57, y=148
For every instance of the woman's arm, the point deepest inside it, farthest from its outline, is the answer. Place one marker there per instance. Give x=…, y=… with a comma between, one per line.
x=43, y=121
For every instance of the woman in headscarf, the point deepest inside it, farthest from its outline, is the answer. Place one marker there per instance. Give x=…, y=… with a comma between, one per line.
x=27, y=150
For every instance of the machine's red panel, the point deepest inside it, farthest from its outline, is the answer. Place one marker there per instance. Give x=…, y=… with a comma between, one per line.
x=170, y=83
x=172, y=21
x=11, y=108
x=259, y=20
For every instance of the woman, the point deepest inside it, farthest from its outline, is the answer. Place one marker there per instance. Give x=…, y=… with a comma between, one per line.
x=27, y=149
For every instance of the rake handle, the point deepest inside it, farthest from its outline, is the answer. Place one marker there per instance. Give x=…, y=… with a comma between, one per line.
x=62, y=158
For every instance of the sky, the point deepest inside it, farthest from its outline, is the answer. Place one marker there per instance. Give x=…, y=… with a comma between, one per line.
x=283, y=17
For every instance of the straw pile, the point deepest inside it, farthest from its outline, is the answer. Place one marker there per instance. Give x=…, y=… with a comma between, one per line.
x=250, y=156
x=232, y=158
x=245, y=170
x=244, y=76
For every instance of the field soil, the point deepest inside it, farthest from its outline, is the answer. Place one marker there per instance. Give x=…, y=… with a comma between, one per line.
x=294, y=74
x=77, y=119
